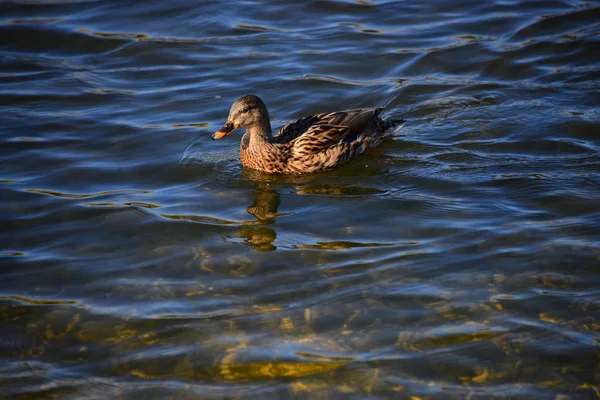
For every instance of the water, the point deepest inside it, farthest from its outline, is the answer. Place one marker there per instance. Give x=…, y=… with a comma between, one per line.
x=140, y=260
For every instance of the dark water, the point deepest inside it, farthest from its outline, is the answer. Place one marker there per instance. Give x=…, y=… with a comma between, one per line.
x=139, y=260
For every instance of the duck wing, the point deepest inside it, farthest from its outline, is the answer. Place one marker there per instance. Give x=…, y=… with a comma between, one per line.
x=319, y=137
x=356, y=120
x=329, y=128
x=337, y=127
x=296, y=128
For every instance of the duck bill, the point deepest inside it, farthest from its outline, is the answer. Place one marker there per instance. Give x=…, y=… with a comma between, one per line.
x=225, y=130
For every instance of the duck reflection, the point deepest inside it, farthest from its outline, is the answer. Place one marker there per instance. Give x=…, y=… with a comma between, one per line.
x=264, y=209
x=266, y=203
x=266, y=200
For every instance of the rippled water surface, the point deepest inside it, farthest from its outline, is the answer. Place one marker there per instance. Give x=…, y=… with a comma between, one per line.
x=458, y=260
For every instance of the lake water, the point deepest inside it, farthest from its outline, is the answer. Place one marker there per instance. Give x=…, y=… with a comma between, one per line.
x=460, y=260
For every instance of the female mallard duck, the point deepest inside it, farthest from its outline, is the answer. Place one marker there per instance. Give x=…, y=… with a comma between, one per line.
x=310, y=144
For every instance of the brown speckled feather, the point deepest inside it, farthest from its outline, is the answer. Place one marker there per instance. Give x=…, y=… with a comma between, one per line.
x=294, y=129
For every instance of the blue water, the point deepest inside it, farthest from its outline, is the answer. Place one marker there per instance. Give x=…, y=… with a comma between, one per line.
x=138, y=259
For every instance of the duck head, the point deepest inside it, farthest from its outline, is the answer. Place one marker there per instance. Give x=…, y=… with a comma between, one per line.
x=247, y=111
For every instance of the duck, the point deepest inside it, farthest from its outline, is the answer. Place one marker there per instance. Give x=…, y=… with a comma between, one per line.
x=310, y=144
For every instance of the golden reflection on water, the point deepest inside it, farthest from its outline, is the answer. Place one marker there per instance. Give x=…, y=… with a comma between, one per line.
x=27, y=300
x=322, y=356
x=86, y=195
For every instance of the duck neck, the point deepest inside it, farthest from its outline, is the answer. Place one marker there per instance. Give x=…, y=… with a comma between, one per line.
x=256, y=148
x=260, y=132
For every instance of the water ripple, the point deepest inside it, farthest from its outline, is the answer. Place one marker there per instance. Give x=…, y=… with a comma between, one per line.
x=458, y=260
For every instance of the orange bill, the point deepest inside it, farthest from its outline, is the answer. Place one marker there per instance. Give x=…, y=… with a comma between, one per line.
x=225, y=130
